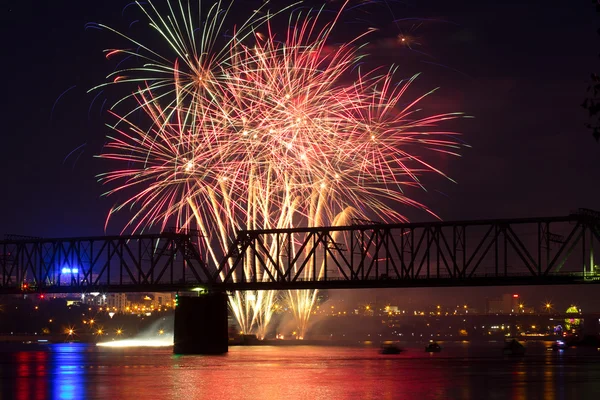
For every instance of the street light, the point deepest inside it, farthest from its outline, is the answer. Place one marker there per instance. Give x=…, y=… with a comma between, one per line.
x=70, y=331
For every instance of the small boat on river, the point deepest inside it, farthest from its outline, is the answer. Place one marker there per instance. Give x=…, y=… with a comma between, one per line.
x=559, y=345
x=433, y=347
x=390, y=349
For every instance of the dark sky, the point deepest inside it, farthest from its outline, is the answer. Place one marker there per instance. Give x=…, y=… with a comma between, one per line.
x=519, y=67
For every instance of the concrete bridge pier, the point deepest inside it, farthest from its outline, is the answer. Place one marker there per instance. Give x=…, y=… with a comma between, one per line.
x=201, y=324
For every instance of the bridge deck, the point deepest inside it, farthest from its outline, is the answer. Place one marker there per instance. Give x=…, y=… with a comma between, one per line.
x=521, y=251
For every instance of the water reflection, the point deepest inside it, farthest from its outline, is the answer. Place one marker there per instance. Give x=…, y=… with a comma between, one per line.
x=460, y=371
x=68, y=361
x=30, y=366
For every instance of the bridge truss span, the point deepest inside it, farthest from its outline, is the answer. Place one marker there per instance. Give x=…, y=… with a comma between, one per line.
x=523, y=251
x=106, y=263
x=485, y=252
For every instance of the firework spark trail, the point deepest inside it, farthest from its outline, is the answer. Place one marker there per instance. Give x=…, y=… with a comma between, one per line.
x=272, y=132
x=194, y=68
x=188, y=82
x=313, y=126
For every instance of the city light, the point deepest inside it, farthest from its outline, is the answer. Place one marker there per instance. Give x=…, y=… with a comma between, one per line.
x=199, y=290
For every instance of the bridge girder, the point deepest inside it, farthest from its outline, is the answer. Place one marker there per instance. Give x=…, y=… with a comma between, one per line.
x=522, y=251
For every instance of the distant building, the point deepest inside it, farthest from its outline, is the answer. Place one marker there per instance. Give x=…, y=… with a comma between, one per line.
x=93, y=299
x=505, y=304
x=573, y=324
x=162, y=300
x=117, y=301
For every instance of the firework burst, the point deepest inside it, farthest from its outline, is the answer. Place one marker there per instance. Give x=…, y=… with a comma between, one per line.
x=267, y=132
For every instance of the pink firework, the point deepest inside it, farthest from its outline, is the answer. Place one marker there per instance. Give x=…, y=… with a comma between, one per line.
x=288, y=132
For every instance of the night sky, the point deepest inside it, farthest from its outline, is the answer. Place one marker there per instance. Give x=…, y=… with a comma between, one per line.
x=520, y=68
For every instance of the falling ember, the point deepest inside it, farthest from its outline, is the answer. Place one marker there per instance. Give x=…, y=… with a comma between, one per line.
x=277, y=138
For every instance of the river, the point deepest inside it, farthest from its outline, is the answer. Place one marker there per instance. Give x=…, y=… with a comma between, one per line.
x=461, y=371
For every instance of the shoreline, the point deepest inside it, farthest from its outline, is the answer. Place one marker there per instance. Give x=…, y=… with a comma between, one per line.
x=250, y=341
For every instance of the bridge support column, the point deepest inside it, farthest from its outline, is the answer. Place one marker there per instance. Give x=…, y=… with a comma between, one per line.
x=201, y=324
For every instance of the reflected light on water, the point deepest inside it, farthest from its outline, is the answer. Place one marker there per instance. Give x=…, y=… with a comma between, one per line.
x=68, y=362
x=166, y=342
x=459, y=372
x=29, y=365
x=158, y=334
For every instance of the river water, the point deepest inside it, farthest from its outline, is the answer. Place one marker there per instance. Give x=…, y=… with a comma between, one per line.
x=461, y=371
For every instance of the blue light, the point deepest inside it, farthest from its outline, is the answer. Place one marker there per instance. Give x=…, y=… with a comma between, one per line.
x=66, y=270
x=67, y=366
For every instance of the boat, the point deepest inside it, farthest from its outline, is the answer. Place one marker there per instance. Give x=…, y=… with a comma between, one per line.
x=559, y=345
x=433, y=347
x=514, y=348
x=390, y=349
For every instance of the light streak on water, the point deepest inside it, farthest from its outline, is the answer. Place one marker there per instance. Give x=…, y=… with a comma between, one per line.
x=162, y=342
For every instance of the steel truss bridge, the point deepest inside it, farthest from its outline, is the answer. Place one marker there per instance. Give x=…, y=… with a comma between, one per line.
x=522, y=251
